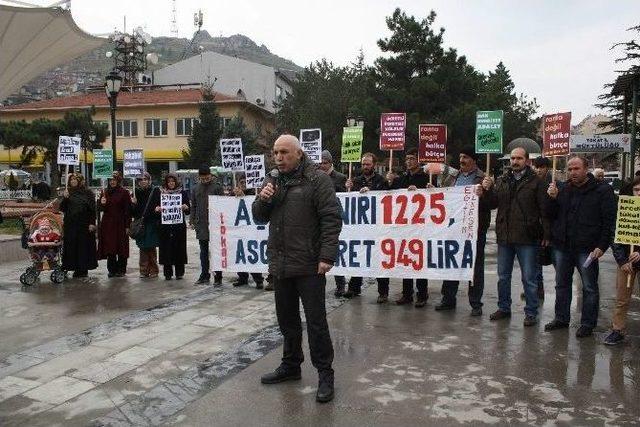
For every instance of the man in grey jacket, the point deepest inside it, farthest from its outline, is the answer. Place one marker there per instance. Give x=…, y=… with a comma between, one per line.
x=305, y=221
x=199, y=221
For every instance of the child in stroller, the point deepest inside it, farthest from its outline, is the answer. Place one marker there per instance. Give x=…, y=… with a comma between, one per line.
x=45, y=246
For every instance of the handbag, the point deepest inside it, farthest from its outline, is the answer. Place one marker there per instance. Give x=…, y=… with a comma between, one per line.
x=136, y=229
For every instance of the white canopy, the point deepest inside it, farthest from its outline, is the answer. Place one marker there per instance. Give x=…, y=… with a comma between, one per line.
x=34, y=40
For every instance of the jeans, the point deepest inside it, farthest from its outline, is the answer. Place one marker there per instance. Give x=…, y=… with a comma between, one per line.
x=566, y=262
x=527, y=258
x=204, y=261
x=311, y=290
x=476, y=288
x=355, y=285
x=421, y=284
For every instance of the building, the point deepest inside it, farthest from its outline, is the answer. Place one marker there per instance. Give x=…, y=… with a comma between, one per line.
x=156, y=119
x=259, y=84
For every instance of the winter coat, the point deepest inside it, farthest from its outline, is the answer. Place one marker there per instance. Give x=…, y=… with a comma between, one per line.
x=374, y=183
x=79, y=245
x=200, y=207
x=521, y=218
x=173, y=237
x=339, y=181
x=305, y=221
x=484, y=214
x=584, y=217
x=149, y=239
x=407, y=179
x=116, y=219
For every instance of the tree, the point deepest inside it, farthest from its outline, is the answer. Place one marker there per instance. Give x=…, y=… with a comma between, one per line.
x=203, y=145
x=253, y=142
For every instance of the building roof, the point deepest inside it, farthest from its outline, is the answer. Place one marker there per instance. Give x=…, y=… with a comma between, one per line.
x=34, y=40
x=125, y=99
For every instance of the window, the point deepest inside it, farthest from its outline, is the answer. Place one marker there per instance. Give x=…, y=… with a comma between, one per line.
x=224, y=122
x=184, y=127
x=127, y=128
x=155, y=127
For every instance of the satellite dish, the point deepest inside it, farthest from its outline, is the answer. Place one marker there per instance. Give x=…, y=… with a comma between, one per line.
x=108, y=54
x=152, y=58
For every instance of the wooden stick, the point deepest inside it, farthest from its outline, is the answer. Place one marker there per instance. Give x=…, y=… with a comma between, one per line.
x=390, y=160
x=350, y=170
x=633, y=249
x=66, y=177
x=430, y=177
x=488, y=164
x=553, y=169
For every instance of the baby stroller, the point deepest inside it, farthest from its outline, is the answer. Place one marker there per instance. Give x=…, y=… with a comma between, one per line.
x=44, y=242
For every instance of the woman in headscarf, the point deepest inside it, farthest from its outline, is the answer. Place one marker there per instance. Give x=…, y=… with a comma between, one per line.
x=173, y=237
x=115, y=203
x=79, y=224
x=148, y=242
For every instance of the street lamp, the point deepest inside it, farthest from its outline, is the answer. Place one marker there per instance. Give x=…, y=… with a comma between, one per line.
x=113, y=81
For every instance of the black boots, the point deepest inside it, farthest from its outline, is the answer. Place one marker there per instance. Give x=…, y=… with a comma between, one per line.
x=325, y=387
x=280, y=375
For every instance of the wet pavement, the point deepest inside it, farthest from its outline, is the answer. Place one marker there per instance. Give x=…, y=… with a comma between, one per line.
x=136, y=351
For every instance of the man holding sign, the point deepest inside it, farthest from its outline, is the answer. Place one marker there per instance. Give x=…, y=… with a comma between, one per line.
x=583, y=214
x=299, y=203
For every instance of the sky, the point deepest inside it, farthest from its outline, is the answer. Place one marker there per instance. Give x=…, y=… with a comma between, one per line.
x=558, y=51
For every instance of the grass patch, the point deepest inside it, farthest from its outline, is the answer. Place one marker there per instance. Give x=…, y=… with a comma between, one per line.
x=11, y=226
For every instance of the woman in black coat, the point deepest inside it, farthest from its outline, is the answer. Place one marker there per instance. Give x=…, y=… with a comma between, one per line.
x=173, y=237
x=79, y=240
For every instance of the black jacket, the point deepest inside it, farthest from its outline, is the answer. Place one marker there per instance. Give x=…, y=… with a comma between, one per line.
x=419, y=179
x=583, y=218
x=339, y=181
x=305, y=221
x=373, y=183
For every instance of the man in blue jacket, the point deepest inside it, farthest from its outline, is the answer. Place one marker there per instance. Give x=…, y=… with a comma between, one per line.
x=583, y=215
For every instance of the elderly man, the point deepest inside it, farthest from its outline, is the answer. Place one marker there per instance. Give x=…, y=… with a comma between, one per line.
x=584, y=215
x=598, y=174
x=470, y=174
x=520, y=197
x=304, y=227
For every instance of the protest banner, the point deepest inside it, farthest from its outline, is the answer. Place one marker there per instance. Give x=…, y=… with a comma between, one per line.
x=133, y=164
x=69, y=150
x=613, y=143
x=428, y=233
x=393, y=127
x=171, y=208
x=231, y=152
x=102, y=163
x=254, y=171
x=489, y=134
x=628, y=223
x=556, y=133
x=432, y=143
x=311, y=143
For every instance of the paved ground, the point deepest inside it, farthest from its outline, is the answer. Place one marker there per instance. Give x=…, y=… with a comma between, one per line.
x=138, y=352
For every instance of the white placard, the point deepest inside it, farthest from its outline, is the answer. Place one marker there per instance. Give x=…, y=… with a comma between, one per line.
x=614, y=143
x=171, y=208
x=423, y=234
x=231, y=152
x=311, y=142
x=254, y=171
x=69, y=150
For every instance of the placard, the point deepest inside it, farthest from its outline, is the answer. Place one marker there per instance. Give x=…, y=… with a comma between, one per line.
x=351, y=144
x=69, y=150
x=231, y=152
x=254, y=171
x=489, y=131
x=133, y=164
x=171, y=208
x=311, y=143
x=432, y=143
x=611, y=143
x=628, y=221
x=556, y=133
x=393, y=127
x=102, y=163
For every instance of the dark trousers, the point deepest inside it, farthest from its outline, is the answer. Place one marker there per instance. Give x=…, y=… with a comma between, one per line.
x=311, y=290
x=116, y=264
x=355, y=285
x=566, y=262
x=204, y=261
x=421, y=284
x=167, y=269
x=244, y=277
x=450, y=287
x=340, y=282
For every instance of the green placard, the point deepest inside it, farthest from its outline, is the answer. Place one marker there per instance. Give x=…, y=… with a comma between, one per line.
x=351, y=144
x=102, y=163
x=489, y=131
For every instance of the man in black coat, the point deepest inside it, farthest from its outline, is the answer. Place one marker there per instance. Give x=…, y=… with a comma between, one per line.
x=305, y=221
x=583, y=215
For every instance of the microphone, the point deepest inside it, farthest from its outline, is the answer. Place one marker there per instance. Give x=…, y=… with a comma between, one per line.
x=275, y=173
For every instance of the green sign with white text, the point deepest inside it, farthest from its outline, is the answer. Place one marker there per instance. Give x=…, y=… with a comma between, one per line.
x=351, y=144
x=102, y=163
x=489, y=131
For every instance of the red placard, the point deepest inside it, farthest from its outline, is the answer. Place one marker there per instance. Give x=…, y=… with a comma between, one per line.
x=432, y=143
x=392, y=130
x=556, y=132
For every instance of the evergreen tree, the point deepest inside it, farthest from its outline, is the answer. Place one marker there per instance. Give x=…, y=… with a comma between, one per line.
x=253, y=142
x=203, y=143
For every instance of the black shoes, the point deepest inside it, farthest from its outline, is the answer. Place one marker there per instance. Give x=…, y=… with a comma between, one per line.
x=259, y=285
x=202, y=280
x=239, y=283
x=530, y=320
x=382, y=299
x=338, y=293
x=350, y=294
x=421, y=302
x=584, y=331
x=217, y=280
x=476, y=311
x=404, y=300
x=499, y=315
x=555, y=324
x=280, y=375
x=614, y=338
x=325, y=387
x=443, y=307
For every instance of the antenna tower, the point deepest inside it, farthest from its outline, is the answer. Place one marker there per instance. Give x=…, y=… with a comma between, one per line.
x=174, y=24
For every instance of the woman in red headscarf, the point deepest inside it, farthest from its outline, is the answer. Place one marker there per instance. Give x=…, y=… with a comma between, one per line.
x=113, y=244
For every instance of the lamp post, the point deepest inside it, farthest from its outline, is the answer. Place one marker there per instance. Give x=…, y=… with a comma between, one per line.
x=113, y=81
